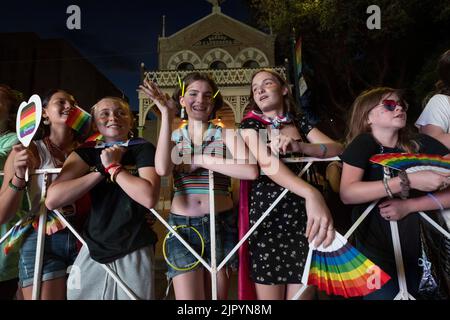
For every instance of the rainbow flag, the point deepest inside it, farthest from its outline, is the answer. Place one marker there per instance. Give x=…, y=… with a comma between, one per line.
x=298, y=56
x=17, y=234
x=52, y=226
x=342, y=270
x=96, y=136
x=79, y=119
x=28, y=120
x=302, y=86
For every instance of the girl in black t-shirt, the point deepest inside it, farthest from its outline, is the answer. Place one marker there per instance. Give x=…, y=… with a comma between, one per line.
x=120, y=175
x=378, y=125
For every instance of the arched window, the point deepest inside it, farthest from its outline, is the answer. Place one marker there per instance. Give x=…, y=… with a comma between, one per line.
x=251, y=64
x=218, y=65
x=185, y=66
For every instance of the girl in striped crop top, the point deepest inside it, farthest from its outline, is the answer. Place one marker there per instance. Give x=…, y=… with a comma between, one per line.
x=193, y=149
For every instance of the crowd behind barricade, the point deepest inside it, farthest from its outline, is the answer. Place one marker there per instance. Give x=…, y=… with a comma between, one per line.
x=107, y=186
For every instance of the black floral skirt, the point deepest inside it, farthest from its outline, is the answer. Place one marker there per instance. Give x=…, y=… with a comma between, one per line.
x=278, y=247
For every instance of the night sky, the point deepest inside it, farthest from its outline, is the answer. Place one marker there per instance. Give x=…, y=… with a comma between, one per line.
x=116, y=36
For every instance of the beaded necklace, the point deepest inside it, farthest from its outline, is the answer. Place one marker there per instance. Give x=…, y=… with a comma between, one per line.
x=57, y=154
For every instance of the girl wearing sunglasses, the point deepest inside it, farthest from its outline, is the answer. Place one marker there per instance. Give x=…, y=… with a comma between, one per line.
x=378, y=125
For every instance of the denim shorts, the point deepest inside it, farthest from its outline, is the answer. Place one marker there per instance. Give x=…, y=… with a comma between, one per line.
x=226, y=239
x=60, y=252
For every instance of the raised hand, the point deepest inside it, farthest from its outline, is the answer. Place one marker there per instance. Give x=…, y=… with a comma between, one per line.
x=163, y=101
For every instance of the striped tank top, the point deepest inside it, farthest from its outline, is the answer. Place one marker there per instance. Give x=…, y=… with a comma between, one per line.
x=197, y=182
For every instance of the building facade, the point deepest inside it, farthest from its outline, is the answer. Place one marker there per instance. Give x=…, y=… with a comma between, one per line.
x=219, y=45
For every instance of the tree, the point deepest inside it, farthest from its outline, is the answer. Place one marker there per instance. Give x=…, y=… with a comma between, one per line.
x=342, y=56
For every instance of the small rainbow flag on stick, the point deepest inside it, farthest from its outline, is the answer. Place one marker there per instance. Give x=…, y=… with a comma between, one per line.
x=298, y=56
x=342, y=270
x=79, y=119
x=412, y=162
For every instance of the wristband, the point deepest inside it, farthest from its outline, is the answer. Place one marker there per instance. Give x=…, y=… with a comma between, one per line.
x=115, y=173
x=436, y=200
x=112, y=165
x=324, y=150
x=386, y=187
x=14, y=187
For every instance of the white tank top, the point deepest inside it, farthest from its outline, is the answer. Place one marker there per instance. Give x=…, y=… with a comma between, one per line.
x=35, y=183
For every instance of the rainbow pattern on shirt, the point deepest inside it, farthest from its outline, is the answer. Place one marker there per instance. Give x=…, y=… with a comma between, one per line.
x=28, y=120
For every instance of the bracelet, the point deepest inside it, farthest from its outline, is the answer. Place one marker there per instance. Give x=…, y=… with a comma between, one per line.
x=404, y=184
x=115, y=173
x=112, y=165
x=436, y=200
x=16, y=188
x=386, y=187
x=15, y=174
x=324, y=150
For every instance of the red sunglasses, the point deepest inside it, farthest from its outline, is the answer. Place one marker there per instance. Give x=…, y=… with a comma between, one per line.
x=390, y=105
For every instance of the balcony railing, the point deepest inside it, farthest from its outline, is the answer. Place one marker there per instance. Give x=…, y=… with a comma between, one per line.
x=222, y=77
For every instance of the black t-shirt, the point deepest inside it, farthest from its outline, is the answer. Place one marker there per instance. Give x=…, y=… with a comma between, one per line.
x=116, y=224
x=373, y=236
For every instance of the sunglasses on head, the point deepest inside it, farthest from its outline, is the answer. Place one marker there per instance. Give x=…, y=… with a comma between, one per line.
x=390, y=105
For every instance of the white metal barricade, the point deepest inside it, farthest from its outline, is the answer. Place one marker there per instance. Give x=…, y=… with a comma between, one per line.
x=213, y=269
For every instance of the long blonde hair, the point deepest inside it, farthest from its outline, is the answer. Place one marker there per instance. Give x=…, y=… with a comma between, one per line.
x=359, y=119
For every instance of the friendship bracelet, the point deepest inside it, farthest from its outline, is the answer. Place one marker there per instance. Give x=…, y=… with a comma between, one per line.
x=14, y=187
x=386, y=187
x=115, y=173
x=112, y=165
x=404, y=184
x=15, y=174
x=436, y=200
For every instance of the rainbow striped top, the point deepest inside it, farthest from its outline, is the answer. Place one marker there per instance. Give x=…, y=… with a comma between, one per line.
x=197, y=182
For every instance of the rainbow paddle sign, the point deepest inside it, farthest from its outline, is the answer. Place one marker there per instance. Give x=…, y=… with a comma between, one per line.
x=28, y=119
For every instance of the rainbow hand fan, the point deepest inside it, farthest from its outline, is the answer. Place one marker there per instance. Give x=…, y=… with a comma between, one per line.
x=78, y=119
x=342, y=270
x=412, y=162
